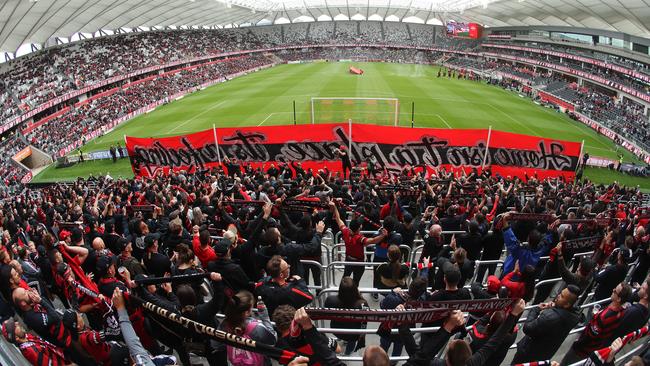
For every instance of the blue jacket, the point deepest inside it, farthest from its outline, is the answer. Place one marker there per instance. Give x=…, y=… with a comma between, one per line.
x=516, y=252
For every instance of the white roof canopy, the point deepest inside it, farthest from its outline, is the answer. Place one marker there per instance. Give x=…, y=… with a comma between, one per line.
x=37, y=21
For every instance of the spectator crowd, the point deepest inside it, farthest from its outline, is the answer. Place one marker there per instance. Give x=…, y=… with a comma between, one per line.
x=78, y=260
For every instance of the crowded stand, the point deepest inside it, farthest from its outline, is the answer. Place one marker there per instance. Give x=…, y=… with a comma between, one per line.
x=30, y=81
x=360, y=54
x=395, y=32
x=74, y=125
x=624, y=117
x=82, y=265
x=578, y=51
x=248, y=265
x=371, y=32
x=593, y=70
x=346, y=30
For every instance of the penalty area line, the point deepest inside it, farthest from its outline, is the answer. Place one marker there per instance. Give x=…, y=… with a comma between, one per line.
x=267, y=117
x=200, y=114
x=443, y=120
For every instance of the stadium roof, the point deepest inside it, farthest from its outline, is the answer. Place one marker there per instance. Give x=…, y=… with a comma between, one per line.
x=24, y=22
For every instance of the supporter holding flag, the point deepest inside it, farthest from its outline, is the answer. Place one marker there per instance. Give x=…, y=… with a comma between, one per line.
x=138, y=353
x=483, y=329
x=39, y=315
x=93, y=342
x=416, y=291
x=526, y=255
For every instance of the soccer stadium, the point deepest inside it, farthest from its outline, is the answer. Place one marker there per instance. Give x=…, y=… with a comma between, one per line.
x=325, y=182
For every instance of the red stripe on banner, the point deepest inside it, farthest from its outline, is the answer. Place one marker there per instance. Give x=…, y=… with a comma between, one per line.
x=393, y=147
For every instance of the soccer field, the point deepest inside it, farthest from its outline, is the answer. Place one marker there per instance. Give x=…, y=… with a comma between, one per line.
x=266, y=98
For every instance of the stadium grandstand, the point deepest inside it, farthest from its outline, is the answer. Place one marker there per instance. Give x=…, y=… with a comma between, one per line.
x=324, y=182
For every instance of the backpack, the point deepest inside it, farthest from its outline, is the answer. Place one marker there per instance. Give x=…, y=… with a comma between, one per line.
x=242, y=357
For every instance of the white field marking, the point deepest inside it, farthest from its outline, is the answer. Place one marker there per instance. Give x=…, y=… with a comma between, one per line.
x=195, y=117
x=507, y=115
x=597, y=148
x=443, y=120
x=267, y=117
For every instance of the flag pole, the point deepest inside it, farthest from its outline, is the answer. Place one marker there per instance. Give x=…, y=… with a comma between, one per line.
x=216, y=142
x=582, y=148
x=350, y=137
x=487, y=148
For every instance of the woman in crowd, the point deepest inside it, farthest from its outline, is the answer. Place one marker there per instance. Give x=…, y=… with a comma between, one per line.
x=348, y=297
x=240, y=321
x=393, y=273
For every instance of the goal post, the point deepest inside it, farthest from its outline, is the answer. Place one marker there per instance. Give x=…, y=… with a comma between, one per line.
x=382, y=111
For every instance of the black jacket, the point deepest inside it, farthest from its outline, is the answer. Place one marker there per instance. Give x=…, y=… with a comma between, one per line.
x=492, y=246
x=607, y=280
x=544, y=333
x=234, y=277
x=294, y=293
x=472, y=243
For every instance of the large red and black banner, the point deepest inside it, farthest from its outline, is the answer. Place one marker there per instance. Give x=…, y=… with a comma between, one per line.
x=393, y=148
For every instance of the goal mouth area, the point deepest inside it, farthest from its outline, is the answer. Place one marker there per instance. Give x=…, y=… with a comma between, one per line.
x=381, y=111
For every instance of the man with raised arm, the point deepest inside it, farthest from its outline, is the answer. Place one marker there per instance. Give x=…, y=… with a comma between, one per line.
x=355, y=243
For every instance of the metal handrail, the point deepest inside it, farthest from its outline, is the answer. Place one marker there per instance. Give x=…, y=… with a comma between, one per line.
x=478, y=263
x=331, y=268
x=322, y=274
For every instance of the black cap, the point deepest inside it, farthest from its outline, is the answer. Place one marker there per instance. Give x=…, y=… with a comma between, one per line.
x=76, y=235
x=121, y=244
x=150, y=239
x=222, y=247
x=103, y=264
x=62, y=268
x=69, y=319
x=139, y=277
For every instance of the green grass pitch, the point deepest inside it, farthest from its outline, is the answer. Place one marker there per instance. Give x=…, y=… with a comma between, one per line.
x=266, y=98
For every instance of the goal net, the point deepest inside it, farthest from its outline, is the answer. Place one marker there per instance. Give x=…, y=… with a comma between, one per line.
x=380, y=111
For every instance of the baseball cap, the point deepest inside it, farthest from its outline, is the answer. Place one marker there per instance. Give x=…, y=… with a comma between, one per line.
x=222, y=247
x=140, y=277
x=493, y=284
x=69, y=319
x=121, y=244
x=76, y=235
x=103, y=264
x=150, y=239
x=64, y=234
